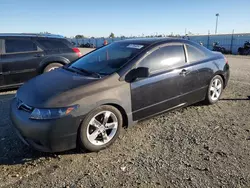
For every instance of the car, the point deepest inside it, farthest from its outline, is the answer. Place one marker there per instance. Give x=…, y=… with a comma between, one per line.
x=24, y=56
x=90, y=100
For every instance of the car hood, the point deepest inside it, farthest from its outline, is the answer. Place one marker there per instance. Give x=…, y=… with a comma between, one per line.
x=43, y=90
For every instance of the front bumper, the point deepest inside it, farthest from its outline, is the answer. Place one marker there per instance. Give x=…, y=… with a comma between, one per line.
x=45, y=135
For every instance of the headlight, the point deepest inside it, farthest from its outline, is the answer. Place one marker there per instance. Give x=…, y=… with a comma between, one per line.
x=53, y=113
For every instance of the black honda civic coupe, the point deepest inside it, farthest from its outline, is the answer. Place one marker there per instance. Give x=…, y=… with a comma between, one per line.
x=86, y=103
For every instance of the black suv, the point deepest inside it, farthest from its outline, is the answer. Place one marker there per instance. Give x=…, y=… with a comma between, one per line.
x=23, y=56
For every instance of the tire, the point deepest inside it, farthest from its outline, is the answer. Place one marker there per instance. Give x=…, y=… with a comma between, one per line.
x=52, y=66
x=95, y=136
x=214, y=91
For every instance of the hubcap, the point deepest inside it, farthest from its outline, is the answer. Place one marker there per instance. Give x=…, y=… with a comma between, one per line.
x=102, y=128
x=52, y=68
x=215, y=89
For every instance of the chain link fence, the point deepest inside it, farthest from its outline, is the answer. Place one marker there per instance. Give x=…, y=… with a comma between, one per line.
x=231, y=42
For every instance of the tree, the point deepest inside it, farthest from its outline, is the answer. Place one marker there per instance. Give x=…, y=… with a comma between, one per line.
x=79, y=37
x=45, y=32
x=112, y=35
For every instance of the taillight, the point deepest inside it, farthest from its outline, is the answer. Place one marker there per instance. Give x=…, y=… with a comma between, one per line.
x=226, y=60
x=77, y=51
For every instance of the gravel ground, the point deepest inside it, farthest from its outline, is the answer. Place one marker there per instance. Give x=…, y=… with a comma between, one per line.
x=198, y=146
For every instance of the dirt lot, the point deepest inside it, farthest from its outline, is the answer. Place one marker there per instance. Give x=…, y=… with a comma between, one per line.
x=199, y=146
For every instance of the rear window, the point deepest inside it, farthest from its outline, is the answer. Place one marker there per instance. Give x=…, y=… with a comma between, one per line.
x=195, y=54
x=19, y=45
x=52, y=43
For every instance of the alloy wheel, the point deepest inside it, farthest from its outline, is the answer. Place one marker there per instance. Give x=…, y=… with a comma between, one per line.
x=102, y=128
x=52, y=68
x=215, y=89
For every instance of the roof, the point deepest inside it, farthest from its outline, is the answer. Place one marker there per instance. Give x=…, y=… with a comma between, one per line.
x=150, y=41
x=30, y=35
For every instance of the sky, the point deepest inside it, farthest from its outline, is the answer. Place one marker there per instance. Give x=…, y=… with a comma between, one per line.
x=98, y=18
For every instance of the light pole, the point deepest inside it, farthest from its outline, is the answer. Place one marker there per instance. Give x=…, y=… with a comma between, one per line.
x=216, y=26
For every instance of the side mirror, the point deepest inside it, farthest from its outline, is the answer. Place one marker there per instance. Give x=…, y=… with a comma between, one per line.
x=140, y=72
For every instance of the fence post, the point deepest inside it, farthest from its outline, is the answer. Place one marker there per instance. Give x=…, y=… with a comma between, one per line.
x=231, y=47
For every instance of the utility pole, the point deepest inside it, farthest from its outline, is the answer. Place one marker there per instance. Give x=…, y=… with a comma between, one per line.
x=208, y=38
x=217, y=18
x=232, y=39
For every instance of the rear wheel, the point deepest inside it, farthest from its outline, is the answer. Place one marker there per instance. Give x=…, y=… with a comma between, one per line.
x=214, y=90
x=52, y=66
x=100, y=128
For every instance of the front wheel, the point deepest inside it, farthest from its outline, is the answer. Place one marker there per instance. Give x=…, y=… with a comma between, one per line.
x=214, y=90
x=100, y=128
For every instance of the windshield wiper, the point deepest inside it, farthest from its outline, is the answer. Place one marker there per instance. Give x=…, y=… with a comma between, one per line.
x=88, y=72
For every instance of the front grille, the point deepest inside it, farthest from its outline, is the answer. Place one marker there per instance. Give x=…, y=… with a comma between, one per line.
x=24, y=107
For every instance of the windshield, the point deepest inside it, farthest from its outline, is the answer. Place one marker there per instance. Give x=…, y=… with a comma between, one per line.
x=108, y=59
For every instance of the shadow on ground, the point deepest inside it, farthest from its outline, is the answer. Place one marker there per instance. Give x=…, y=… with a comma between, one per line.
x=236, y=99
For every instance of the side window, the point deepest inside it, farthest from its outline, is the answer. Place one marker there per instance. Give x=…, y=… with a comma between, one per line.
x=164, y=58
x=52, y=44
x=194, y=54
x=19, y=45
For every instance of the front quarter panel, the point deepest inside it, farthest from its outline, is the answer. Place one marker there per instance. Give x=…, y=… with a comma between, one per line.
x=107, y=91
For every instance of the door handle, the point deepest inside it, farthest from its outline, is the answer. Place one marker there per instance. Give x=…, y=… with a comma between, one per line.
x=183, y=72
x=38, y=55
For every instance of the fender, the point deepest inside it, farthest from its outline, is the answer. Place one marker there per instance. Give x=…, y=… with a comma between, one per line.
x=51, y=59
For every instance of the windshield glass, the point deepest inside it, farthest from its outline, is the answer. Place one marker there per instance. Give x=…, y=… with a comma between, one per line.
x=108, y=59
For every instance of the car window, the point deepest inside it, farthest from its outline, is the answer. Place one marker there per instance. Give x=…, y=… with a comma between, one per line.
x=164, y=58
x=52, y=44
x=195, y=54
x=110, y=58
x=19, y=45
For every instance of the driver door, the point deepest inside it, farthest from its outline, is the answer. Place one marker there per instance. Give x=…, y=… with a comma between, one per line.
x=160, y=91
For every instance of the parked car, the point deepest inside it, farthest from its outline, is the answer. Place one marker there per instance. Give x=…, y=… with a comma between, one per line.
x=24, y=56
x=86, y=103
x=87, y=45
